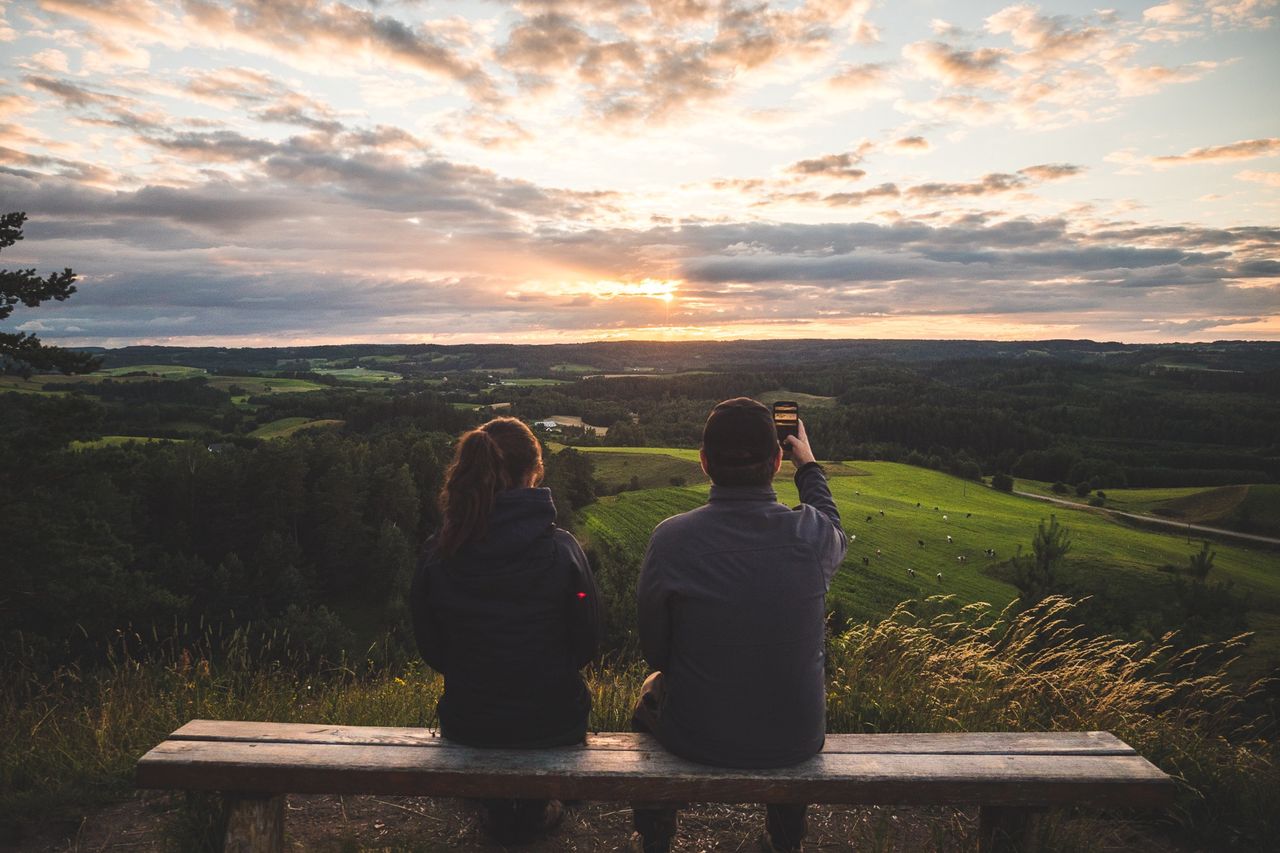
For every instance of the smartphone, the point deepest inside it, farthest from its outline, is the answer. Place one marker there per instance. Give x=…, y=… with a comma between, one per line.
x=786, y=419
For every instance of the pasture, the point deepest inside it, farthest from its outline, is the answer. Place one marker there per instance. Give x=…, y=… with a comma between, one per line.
x=976, y=518
x=811, y=401
x=285, y=427
x=1251, y=508
x=264, y=384
x=117, y=440
x=358, y=374
x=158, y=371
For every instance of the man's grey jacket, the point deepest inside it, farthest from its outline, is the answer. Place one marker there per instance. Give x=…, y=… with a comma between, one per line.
x=732, y=611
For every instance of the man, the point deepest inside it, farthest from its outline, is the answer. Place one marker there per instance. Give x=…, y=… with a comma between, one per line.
x=732, y=616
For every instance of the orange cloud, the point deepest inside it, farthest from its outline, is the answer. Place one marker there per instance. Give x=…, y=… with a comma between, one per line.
x=1246, y=149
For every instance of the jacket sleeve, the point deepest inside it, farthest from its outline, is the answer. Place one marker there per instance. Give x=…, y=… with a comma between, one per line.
x=652, y=611
x=821, y=523
x=433, y=644
x=584, y=605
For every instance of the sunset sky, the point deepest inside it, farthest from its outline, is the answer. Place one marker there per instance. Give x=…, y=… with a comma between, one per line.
x=266, y=172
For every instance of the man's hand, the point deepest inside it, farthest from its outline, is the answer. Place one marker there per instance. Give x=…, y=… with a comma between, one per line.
x=801, y=452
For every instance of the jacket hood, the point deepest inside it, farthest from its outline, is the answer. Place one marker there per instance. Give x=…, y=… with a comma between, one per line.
x=514, y=543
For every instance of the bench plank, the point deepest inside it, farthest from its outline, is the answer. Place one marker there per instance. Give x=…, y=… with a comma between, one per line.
x=651, y=774
x=947, y=743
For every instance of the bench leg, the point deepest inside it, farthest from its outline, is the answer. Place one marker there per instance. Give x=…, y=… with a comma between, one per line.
x=254, y=824
x=1004, y=829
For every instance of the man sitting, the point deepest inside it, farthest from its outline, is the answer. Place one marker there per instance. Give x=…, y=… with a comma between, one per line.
x=732, y=616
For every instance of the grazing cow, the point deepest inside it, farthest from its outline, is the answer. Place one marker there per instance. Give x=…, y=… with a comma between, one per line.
x=962, y=558
x=866, y=561
x=939, y=577
x=968, y=515
x=868, y=518
x=917, y=504
x=911, y=572
x=944, y=518
x=920, y=542
x=935, y=509
x=882, y=513
x=877, y=552
x=949, y=540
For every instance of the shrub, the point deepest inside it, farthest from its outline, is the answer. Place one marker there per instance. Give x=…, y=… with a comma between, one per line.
x=1082, y=489
x=1060, y=488
x=1002, y=482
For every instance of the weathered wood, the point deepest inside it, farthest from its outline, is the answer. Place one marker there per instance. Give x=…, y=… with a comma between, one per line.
x=947, y=743
x=1002, y=829
x=255, y=825
x=653, y=775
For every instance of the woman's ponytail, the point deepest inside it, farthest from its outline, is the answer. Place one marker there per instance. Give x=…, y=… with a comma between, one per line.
x=471, y=483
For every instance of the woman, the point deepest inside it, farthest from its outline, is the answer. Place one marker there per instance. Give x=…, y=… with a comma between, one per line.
x=505, y=607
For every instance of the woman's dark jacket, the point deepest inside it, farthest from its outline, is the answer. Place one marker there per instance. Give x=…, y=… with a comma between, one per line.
x=509, y=620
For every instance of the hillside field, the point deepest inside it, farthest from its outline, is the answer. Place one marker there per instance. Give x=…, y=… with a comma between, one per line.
x=285, y=427
x=976, y=517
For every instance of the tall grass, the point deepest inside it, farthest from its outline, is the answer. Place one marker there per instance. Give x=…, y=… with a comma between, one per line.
x=934, y=665
x=937, y=665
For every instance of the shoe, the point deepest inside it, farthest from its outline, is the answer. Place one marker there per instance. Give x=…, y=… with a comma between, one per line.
x=637, y=845
x=552, y=816
x=767, y=845
x=512, y=823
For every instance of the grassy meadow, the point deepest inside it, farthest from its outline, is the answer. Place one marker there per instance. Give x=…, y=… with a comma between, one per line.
x=921, y=505
x=285, y=427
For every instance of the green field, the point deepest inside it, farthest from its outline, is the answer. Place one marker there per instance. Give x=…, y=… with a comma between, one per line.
x=163, y=371
x=286, y=427
x=358, y=374
x=264, y=384
x=976, y=517
x=116, y=440
x=533, y=382
x=804, y=401
x=24, y=386
x=1252, y=508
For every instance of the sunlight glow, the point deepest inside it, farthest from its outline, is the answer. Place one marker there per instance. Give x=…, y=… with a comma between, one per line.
x=652, y=288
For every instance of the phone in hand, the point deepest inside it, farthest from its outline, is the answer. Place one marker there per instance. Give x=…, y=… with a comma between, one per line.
x=786, y=419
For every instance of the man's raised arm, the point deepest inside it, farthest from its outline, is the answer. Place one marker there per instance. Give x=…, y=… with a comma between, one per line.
x=821, y=527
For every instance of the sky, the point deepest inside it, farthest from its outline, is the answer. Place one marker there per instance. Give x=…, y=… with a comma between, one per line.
x=275, y=172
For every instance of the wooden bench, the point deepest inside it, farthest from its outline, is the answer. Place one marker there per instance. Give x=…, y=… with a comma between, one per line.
x=1007, y=775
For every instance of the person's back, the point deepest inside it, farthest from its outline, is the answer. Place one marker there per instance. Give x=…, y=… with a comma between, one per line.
x=505, y=607
x=732, y=605
x=731, y=614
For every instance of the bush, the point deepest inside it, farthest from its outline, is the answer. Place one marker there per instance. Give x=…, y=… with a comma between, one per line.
x=1082, y=489
x=1002, y=482
x=1097, y=501
x=1060, y=488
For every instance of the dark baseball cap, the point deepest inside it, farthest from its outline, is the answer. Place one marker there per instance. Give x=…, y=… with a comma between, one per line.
x=740, y=432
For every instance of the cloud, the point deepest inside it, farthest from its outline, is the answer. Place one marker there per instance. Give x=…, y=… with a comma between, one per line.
x=842, y=165
x=1145, y=80
x=1246, y=149
x=953, y=66
x=869, y=77
x=1051, y=171
x=1267, y=179
x=911, y=144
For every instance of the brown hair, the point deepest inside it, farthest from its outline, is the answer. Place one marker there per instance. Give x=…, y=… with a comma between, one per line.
x=492, y=458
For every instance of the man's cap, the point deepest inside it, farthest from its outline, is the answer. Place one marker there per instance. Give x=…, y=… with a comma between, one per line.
x=740, y=432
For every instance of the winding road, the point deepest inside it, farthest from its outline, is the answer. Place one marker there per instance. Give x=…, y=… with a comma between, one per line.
x=1162, y=522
